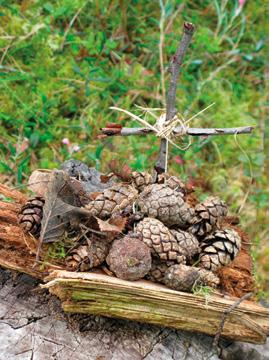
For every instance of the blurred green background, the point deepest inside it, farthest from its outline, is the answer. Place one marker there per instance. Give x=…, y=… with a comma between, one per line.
x=64, y=63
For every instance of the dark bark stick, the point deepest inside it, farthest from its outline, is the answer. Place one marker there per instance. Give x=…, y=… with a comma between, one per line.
x=125, y=131
x=226, y=313
x=175, y=64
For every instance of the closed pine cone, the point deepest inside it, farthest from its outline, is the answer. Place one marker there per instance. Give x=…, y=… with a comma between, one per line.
x=160, y=240
x=89, y=255
x=161, y=202
x=207, y=215
x=31, y=214
x=181, y=277
x=112, y=200
x=188, y=243
x=219, y=249
x=185, y=278
x=141, y=179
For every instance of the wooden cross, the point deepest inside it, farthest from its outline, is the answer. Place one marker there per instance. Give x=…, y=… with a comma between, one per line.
x=113, y=129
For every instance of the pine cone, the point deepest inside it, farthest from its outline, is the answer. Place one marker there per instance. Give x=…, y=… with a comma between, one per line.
x=31, y=214
x=158, y=269
x=181, y=277
x=161, y=202
x=89, y=255
x=141, y=180
x=188, y=243
x=129, y=258
x=185, y=278
x=207, y=215
x=112, y=200
x=173, y=182
x=219, y=249
x=160, y=240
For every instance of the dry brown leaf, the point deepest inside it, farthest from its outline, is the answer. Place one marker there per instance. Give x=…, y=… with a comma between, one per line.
x=112, y=227
x=119, y=221
x=105, y=178
x=121, y=171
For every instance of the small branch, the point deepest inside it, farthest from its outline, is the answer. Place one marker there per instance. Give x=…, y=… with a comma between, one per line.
x=225, y=315
x=125, y=131
x=175, y=64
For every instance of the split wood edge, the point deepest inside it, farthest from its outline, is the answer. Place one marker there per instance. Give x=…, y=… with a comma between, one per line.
x=91, y=293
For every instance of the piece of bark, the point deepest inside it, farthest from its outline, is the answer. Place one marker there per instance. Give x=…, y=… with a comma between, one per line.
x=237, y=278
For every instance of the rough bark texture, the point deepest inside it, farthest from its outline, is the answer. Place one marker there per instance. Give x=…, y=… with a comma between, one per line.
x=32, y=326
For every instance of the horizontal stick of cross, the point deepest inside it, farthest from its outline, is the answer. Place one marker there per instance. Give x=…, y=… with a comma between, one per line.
x=115, y=129
x=174, y=68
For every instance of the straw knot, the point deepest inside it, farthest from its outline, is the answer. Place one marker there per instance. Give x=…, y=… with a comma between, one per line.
x=165, y=128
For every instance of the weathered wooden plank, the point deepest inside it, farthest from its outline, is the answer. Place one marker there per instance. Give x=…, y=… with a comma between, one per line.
x=147, y=302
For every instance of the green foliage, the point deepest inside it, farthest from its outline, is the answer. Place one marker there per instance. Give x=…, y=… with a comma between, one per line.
x=64, y=63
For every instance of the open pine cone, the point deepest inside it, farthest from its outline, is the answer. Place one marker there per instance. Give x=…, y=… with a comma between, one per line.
x=112, y=200
x=207, y=215
x=160, y=240
x=161, y=202
x=219, y=249
x=31, y=214
x=91, y=254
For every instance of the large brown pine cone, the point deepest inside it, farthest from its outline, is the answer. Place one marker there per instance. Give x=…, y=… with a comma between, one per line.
x=141, y=179
x=31, y=214
x=219, y=249
x=160, y=240
x=112, y=200
x=161, y=202
x=188, y=243
x=89, y=255
x=207, y=215
x=129, y=258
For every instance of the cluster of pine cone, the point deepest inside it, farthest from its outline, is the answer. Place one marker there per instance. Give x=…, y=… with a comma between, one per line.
x=166, y=238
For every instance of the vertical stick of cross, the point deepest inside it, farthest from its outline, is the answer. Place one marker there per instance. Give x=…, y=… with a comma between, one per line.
x=113, y=129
